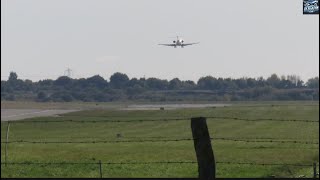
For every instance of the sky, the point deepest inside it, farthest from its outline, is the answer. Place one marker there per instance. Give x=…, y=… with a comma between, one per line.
x=40, y=39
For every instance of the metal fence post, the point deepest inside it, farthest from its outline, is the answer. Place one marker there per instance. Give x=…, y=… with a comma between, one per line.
x=203, y=148
x=7, y=140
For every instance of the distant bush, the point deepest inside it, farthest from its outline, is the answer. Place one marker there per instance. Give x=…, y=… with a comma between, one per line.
x=121, y=88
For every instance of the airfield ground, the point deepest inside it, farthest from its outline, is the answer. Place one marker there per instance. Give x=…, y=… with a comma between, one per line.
x=18, y=114
x=83, y=133
x=21, y=110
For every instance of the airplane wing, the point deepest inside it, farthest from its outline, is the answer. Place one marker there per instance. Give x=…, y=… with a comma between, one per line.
x=187, y=44
x=167, y=44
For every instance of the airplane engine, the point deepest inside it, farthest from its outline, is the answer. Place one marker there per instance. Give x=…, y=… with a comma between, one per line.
x=174, y=41
x=182, y=41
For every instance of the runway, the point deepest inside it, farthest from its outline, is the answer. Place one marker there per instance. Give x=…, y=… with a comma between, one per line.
x=18, y=114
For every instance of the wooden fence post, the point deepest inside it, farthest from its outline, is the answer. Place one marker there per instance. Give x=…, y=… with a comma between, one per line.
x=7, y=140
x=100, y=168
x=314, y=170
x=203, y=148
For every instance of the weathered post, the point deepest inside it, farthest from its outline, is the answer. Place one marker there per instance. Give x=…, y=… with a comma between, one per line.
x=7, y=140
x=100, y=168
x=202, y=145
x=314, y=170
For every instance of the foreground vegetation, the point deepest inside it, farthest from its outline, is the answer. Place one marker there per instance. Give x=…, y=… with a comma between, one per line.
x=121, y=88
x=225, y=151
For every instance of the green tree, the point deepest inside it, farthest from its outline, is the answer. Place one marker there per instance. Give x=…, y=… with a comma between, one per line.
x=63, y=81
x=188, y=85
x=157, y=84
x=13, y=76
x=42, y=96
x=119, y=80
x=175, y=84
x=313, y=82
x=295, y=80
x=274, y=81
x=97, y=81
x=207, y=82
x=136, y=89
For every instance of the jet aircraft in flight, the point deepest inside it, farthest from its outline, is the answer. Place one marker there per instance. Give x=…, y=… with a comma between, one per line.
x=179, y=42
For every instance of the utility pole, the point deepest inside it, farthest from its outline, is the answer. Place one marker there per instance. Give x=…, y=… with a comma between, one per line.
x=68, y=72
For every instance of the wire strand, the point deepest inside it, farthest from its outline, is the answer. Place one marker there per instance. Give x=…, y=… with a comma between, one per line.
x=163, y=120
x=155, y=162
x=159, y=140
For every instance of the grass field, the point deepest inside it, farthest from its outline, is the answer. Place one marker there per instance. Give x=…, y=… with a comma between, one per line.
x=225, y=151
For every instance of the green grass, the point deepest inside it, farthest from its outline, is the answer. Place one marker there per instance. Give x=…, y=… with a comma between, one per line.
x=225, y=151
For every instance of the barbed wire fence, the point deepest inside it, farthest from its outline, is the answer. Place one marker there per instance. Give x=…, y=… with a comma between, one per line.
x=100, y=163
x=149, y=119
x=157, y=139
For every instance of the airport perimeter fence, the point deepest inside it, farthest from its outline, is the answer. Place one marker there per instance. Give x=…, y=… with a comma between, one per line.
x=100, y=164
x=200, y=149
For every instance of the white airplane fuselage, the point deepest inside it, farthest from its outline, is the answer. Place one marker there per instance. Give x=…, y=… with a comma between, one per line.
x=178, y=42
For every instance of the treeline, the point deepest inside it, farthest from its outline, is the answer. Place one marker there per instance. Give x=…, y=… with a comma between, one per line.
x=122, y=88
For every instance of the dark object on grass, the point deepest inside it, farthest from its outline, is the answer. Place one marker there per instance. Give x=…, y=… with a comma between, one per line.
x=203, y=147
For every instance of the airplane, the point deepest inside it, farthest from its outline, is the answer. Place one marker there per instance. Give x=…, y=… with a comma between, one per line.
x=179, y=42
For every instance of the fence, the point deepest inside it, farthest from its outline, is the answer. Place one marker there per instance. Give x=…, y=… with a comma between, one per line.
x=151, y=119
x=202, y=143
x=100, y=163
